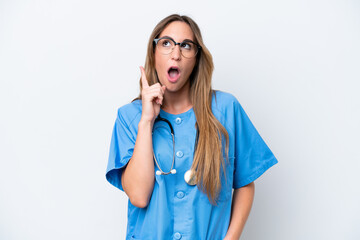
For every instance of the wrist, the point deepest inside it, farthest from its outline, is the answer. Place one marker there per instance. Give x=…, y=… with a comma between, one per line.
x=145, y=123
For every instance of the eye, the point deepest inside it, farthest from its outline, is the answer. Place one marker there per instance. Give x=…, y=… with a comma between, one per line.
x=165, y=43
x=186, y=46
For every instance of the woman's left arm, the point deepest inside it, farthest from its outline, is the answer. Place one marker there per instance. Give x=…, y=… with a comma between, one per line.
x=241, y=205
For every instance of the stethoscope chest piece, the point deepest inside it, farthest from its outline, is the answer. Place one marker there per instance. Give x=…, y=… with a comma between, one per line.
x=189, y=178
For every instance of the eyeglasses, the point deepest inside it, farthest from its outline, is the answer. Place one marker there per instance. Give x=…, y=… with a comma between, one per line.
x=166, y=45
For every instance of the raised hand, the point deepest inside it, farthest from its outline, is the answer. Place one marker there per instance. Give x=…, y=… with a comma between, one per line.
x=152, y=98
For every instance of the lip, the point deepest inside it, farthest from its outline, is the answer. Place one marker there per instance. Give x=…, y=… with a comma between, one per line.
x=175, y=78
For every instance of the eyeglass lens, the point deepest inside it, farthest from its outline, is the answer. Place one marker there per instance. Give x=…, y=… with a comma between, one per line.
x=188, y=49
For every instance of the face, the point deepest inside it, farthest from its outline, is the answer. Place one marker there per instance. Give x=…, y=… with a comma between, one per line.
x=174, y=69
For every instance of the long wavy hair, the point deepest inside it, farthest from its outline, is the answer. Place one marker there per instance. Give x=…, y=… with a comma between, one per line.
x=208, y=156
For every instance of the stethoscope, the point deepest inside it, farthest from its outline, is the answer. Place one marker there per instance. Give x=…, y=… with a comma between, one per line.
x=188, y=176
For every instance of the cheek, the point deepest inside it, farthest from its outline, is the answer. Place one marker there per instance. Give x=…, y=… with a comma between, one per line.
x=159, y=64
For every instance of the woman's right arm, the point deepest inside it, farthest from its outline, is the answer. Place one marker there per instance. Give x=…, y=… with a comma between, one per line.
x=138, y=176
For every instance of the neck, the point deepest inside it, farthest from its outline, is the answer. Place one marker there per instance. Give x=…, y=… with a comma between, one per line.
x=177, y=102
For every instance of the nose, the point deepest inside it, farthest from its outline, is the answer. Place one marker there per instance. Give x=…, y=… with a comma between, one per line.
x=176, y=53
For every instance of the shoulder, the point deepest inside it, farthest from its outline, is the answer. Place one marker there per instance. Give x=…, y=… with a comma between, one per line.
x=224, y=102
x=129, y=112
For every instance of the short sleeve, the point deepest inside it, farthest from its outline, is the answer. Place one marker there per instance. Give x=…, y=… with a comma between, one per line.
x=121, y=150
x=252, y=156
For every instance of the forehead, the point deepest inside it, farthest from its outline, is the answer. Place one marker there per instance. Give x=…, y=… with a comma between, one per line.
x=178, y=31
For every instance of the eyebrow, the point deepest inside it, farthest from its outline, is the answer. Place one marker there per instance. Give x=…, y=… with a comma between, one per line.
x=186, y=39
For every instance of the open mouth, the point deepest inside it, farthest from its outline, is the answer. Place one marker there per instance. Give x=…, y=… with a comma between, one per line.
x=173, y=73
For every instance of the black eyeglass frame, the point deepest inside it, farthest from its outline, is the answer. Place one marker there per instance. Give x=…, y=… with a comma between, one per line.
x=156, y=40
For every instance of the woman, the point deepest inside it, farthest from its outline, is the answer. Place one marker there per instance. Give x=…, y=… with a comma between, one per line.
x=180, y=186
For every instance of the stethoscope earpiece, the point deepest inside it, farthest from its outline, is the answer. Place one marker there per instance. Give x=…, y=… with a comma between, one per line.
x=158, y=172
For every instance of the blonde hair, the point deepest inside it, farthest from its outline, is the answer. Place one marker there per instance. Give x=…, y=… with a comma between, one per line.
x=208, y=156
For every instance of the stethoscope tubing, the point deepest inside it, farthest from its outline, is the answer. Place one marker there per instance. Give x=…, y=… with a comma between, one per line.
x=188, y=176
x=173, y=139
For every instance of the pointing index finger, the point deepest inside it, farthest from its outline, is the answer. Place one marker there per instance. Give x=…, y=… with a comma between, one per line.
x=144, y=81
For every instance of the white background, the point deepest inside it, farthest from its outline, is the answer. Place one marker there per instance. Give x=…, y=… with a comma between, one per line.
x=66, y=66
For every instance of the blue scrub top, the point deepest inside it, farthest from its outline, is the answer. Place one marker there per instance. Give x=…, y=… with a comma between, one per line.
x=177, y=210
